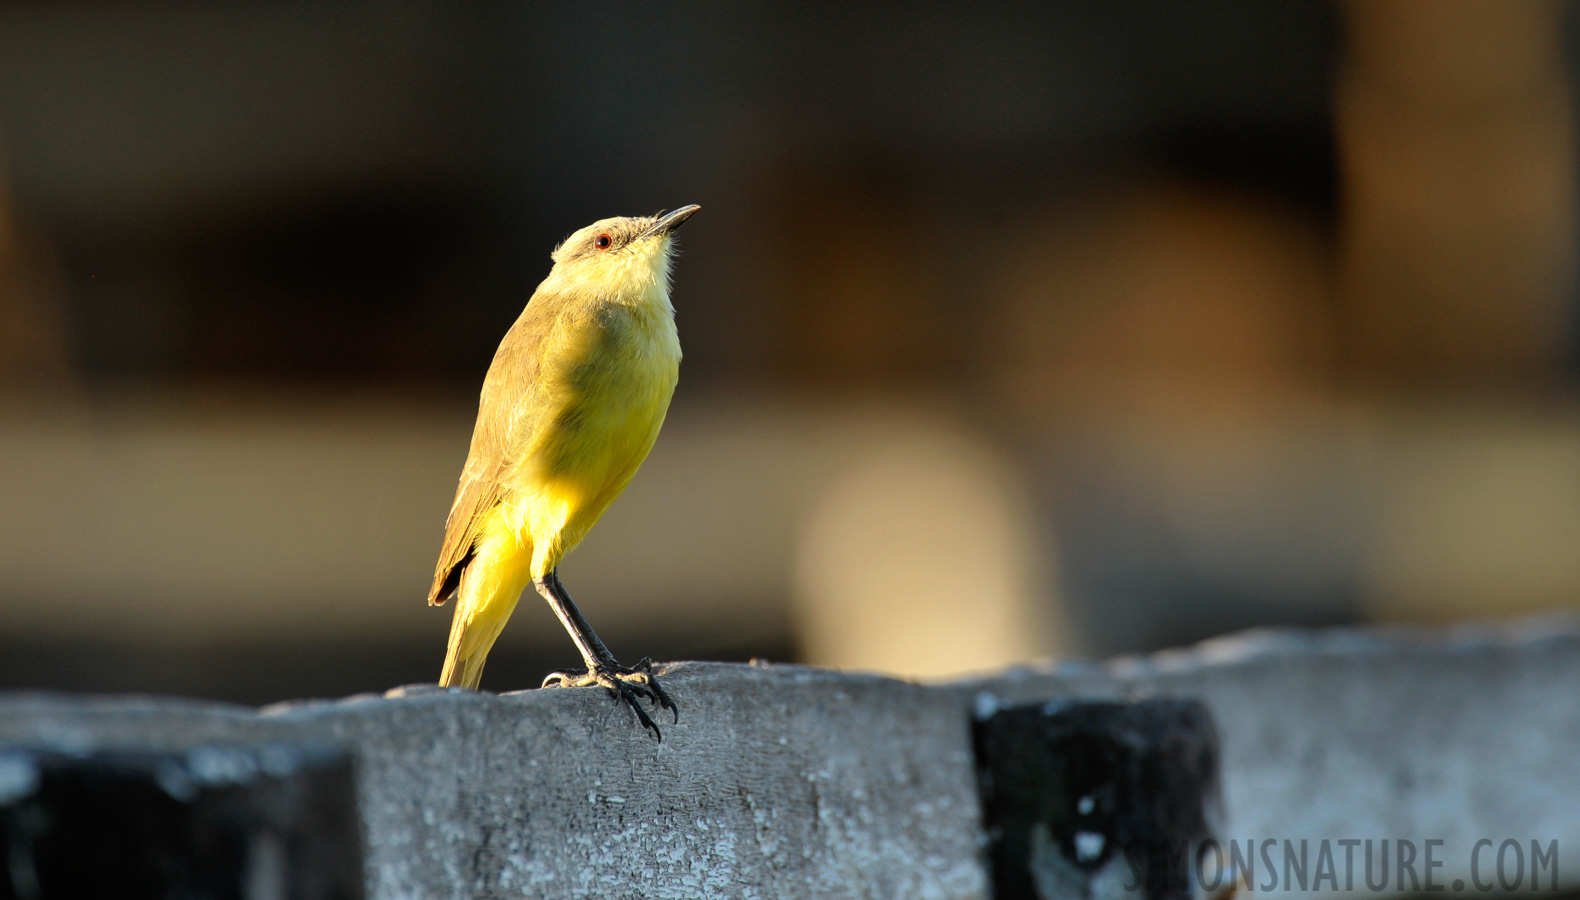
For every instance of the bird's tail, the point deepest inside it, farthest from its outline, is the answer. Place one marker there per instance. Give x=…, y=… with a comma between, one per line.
x=483, y=605
x=462, y=669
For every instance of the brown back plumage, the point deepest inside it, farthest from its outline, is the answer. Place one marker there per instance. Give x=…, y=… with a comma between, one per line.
x=510, y=379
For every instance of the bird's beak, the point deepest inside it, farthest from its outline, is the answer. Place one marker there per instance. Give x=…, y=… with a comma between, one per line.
x=671, y=221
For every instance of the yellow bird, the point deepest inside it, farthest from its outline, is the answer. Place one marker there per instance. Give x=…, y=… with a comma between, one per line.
x=571, y=405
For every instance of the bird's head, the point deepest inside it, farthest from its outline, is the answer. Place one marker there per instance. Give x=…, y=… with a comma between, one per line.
x=620, y=256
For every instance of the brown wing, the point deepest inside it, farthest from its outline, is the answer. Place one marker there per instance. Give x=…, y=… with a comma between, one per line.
x=510, y=379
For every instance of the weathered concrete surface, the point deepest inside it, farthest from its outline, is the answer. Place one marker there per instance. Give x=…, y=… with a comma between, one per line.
x=791, y=782
x=1456, y=735
x=777, y=782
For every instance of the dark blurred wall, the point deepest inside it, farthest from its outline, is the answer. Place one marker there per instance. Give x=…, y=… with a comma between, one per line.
x=1178, y=271
x=1456, y=135
x=360, y=192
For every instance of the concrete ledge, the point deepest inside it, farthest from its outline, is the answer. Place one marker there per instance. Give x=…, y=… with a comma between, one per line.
x=1453, y=735
x=777, y=782
x=790, y=782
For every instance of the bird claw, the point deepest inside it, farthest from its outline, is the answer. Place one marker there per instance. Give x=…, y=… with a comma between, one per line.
x=628, y=684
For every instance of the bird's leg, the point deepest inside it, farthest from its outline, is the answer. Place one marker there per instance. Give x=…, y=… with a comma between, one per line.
x=592, y=649
x=596, y=655
x=602, y=669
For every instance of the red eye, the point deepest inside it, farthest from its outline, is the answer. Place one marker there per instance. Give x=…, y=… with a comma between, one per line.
x=603, y=241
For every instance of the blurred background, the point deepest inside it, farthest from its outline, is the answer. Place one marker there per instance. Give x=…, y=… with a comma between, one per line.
x=1011, y=329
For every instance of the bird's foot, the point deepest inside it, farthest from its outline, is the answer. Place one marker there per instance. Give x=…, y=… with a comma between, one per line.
x=628, y=684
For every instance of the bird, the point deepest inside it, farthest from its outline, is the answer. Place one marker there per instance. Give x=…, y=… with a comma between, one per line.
x=571, y=405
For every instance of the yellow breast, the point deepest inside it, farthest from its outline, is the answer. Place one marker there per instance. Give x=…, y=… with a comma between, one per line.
x=598, y=406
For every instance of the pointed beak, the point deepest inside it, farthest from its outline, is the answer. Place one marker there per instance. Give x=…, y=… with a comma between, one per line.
x=670, y=222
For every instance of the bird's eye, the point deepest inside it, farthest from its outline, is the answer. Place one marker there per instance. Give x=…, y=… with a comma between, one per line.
x=603, y=242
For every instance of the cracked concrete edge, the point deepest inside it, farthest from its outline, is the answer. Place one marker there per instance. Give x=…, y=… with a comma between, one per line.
x=786, y=781
x=1457, y=734
x=777, y=782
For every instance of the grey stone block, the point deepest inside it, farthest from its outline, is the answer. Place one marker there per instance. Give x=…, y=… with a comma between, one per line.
x=789, y=782
x=1461, y=735
x=777, y=782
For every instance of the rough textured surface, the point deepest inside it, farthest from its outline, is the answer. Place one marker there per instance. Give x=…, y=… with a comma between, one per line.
x=791, y=782
x=777, y=782
x=1458, y=735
